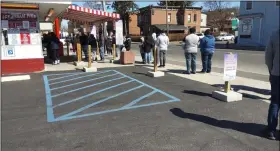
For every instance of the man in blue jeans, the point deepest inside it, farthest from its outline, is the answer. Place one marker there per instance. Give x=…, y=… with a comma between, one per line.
x=207, y=48
x=190, y=47
x=272, y=62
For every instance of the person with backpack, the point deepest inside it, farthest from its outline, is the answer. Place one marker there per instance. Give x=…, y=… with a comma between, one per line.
x=54, y=45
x=92, y=43
x=190, y=47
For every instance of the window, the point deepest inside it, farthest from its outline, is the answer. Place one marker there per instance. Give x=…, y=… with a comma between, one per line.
x=169, y=17
x=249, y=5
x=194, y=18
x=278, y=3
x=189, y=18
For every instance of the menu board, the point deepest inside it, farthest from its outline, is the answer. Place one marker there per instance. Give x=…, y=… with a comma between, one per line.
x=20, y=24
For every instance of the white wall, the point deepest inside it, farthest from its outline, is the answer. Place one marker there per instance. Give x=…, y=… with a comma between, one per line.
x=203, y=20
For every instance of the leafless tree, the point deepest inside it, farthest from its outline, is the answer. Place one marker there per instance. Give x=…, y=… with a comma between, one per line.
x=219, y=14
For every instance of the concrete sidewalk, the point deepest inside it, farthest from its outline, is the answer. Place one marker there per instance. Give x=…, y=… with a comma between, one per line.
x=250, y=88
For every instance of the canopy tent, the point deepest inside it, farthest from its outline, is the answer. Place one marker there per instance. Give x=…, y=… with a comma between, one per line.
x=86, y=15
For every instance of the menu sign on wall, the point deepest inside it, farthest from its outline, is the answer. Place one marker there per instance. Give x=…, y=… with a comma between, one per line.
x=21, y=20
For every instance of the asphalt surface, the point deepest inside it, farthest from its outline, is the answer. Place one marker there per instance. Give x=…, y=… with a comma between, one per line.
x=125, y=122
x=251, y=64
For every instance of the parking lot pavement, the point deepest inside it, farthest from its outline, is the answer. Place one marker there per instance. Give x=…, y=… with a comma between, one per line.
x=141, y=119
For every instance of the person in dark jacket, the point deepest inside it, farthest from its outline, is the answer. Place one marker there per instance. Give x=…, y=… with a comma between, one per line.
x=109, y=44
x=101, y=47
x=54, y=45
x=92, y=43
x=148, y=46
x=127, y=43
x=84, y=44
x=207, y=49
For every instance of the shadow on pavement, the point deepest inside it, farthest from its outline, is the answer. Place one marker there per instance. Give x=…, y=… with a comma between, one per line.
x=246, y=88
x=197, y=93
x=248, y=128
x=140, y=73
x=176, y=71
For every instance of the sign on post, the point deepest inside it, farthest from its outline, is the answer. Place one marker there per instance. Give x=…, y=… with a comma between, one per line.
x=230, y=66
x=119, y=32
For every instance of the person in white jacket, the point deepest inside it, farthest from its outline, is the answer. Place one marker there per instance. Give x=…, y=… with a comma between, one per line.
x=162, y=46
x=190, y=47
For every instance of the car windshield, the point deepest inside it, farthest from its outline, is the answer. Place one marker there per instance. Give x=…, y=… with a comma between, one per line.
x=222, y=35
x=199, y=34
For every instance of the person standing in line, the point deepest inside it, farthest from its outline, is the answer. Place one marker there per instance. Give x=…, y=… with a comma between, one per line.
x=101, y=47
x=190, y=47
x=54, y=45
x=84, y=44
x=162, y=42
x=141, y=47
x=92, y=43
x=272, y=62
x=148, y=46
x=207, y=48
x=127, y=43
x=109, y=44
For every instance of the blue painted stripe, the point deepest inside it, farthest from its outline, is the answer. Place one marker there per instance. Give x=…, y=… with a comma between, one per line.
x=81, y=88
x=80, y=77
x=50, y=115
x=164, y=93
x=74, y=74
x=90, y=94
x=109, y=111
x=84, y=81
x=150, y=104
x=139, y=99
x=98, y=102
x=48, y=75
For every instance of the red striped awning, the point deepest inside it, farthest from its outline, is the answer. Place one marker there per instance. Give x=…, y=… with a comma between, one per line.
x=86, y=15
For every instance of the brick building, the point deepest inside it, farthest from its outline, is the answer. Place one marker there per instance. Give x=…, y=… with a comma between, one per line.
x=133, y=28
x=153, y=18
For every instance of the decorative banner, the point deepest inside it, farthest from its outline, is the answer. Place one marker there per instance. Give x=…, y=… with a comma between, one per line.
x=35, y=38
x=119, y=32
x=230, y=66
x=14, y=39
x=25, y=38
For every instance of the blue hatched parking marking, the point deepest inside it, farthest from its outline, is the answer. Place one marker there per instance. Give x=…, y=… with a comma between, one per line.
x=72, y=114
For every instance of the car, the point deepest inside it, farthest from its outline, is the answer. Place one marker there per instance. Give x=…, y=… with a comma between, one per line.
x=225, y=37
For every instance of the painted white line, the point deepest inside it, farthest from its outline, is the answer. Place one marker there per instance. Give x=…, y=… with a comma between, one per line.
x=15, y=78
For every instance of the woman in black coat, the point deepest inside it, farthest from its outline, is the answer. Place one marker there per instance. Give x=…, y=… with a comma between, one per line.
x=148, y=46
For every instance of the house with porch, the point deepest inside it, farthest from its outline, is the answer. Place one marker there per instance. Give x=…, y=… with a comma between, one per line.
x=258, y=20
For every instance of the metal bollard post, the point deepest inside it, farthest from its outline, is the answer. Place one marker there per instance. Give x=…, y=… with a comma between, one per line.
x=227, y=86
x=155, y=60
x=79, y=52
x=89, y=56
x=114, y=51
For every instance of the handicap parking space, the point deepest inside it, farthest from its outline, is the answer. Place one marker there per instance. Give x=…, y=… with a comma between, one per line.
x=77, y=95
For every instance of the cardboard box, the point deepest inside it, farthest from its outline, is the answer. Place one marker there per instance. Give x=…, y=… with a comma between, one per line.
x=127, y=57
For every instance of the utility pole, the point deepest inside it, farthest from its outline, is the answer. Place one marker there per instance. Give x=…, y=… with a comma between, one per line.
x=104, y=25
x=167, y=28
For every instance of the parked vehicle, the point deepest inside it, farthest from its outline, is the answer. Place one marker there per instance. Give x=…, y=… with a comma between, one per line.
x=225, y=37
